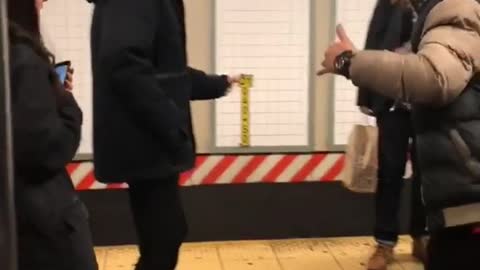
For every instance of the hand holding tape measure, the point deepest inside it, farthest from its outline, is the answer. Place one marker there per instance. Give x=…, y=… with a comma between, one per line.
x=245, y=82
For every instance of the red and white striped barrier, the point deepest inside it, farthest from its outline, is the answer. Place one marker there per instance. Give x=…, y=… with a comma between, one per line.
x=238, y=169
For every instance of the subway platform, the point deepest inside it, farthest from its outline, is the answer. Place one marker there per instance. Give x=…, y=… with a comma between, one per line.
x=297, y=254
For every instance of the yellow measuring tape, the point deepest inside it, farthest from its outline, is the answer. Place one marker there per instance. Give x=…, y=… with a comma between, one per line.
x=246, y=83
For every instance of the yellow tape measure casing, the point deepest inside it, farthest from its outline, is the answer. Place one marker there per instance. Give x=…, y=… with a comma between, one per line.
x=246, y=83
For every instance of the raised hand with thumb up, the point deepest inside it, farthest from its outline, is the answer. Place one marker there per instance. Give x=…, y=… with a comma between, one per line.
x=343, y=44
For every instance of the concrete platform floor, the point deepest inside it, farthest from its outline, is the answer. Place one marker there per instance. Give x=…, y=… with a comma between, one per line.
x=312, y=254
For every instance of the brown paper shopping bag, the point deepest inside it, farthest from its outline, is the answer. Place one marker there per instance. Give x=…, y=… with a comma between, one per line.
x=361, y=163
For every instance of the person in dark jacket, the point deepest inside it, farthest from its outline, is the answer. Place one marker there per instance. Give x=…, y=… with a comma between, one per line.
x=142, y=124
x=440, y=79
x=390, y=29
x=52, y=223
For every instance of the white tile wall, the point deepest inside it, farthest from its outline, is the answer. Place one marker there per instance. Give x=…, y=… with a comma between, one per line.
x=355, y=16
x=66, y=30
x=271, y=40
x=268, y=38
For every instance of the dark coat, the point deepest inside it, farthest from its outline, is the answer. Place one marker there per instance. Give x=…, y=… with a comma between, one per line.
x=46, y=133
x=390, y=28
x=448, y=147
x=142, y=90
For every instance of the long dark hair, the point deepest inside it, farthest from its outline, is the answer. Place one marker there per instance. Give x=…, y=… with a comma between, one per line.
x=24, y=27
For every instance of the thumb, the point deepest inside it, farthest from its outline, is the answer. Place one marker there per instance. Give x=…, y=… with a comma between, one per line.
x=342, y=35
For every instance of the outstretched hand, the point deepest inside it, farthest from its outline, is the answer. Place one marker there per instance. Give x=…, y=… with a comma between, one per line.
x=235, y=79
x=343, y=44
x=232, y=80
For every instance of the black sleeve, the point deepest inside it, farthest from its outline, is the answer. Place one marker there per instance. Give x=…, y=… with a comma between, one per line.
x=46, y=134
x=206, y=86
x=396, y=28
x=127, y=52
x=407, y=26
x=363, y=98
x=375, y=34
x=378, y=24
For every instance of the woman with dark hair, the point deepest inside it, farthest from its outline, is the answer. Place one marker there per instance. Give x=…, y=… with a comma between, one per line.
x=53, y=230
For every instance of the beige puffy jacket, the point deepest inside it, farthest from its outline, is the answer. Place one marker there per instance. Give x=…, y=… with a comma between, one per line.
x=448, y=58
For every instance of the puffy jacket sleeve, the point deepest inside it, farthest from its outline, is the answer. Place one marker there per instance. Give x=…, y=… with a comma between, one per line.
x=445, y=63
x=128, y=32
x=205, y=86
x=46, y=127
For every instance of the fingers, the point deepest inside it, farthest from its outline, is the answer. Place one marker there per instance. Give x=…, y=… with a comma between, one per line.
x=69, y=79
x=343, y=37
x=68, y=86
x=323, y=72
x=69, y=82
x=341, y=34
x=234, y=79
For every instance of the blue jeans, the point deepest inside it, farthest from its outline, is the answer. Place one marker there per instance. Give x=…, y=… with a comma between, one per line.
x=395, y=131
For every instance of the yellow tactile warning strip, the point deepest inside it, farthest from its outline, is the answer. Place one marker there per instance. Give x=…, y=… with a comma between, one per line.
x=312, y=254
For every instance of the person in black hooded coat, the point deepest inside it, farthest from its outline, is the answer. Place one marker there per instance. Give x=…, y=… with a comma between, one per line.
x=142, y=124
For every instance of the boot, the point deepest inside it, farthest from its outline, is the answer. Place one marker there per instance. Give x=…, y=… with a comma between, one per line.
x=381, y=258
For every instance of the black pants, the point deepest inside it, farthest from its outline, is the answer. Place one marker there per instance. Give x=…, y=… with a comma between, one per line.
x=159, y=220
x=66, y=247
x=395, y=131
x=454, y=248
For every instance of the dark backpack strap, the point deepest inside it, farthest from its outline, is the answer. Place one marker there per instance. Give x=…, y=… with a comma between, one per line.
x=417, y=33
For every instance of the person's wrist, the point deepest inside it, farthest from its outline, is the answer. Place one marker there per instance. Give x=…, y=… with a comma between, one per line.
x=343, y=62
x=228, y=80
x=225, y=86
